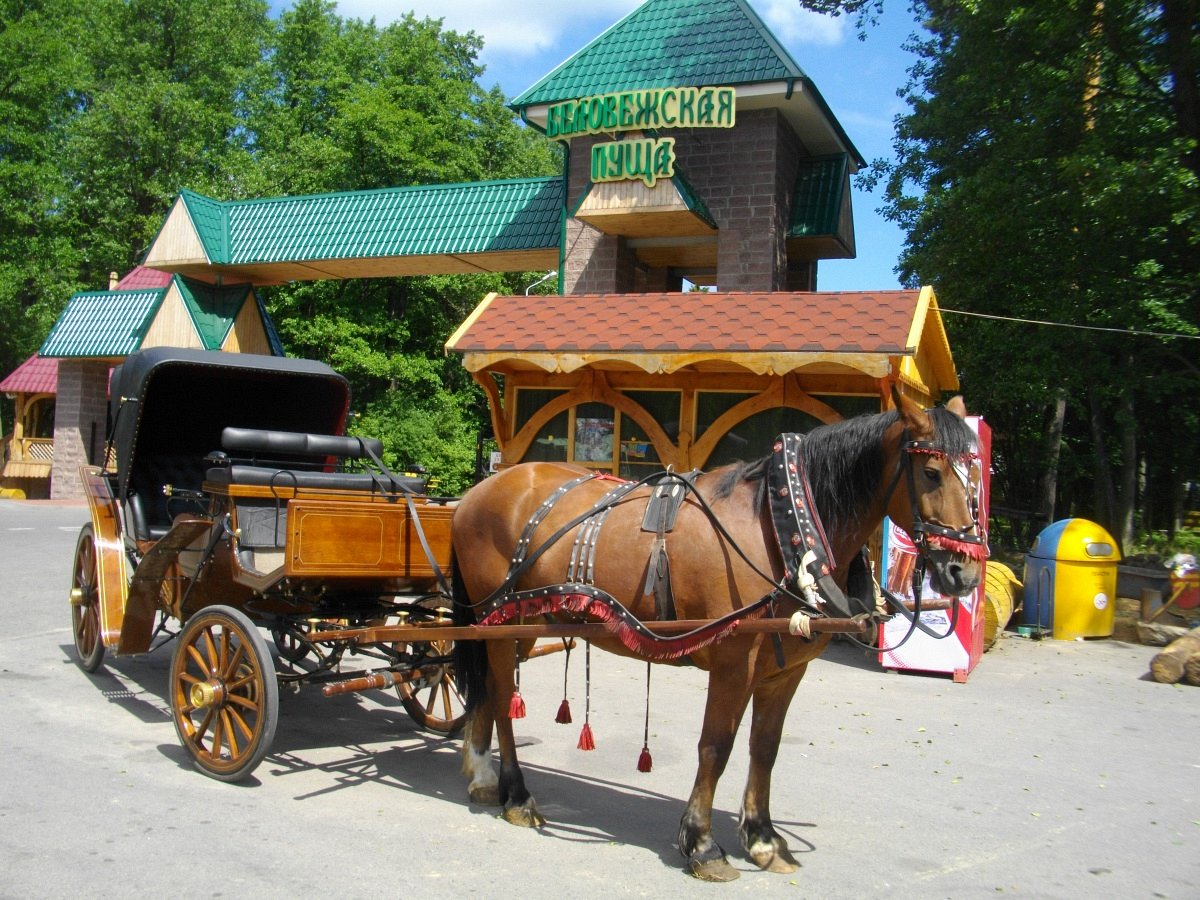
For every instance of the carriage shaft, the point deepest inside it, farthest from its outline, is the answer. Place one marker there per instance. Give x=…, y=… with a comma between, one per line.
x=379, y=634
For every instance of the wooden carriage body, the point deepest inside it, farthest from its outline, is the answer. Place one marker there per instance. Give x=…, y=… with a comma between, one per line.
x=231, y=487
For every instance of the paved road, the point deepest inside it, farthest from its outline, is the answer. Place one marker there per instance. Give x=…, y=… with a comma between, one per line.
x=1057, y=771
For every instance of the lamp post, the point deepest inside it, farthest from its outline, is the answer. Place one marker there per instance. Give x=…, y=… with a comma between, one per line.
x=544, y=278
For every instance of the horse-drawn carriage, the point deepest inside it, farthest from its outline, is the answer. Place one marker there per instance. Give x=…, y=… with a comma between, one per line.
x=235, y=502
x=237, y=508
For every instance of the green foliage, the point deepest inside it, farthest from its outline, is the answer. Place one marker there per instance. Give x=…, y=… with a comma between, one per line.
x=109, y=107
x=1047, y=169
x=1164, y=545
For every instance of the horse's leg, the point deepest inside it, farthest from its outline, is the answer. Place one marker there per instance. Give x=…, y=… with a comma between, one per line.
x=772, y=696
x=728, y=694
x=483, y=785
x=519, y=808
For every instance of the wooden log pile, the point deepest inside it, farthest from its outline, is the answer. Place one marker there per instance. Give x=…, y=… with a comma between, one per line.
x=1179, y=660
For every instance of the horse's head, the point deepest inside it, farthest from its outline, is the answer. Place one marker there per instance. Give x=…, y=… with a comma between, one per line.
x=935, y=493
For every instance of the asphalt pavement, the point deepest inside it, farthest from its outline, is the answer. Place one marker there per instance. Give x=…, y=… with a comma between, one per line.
x=1058, y=770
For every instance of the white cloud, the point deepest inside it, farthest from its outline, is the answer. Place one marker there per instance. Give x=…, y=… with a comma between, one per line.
x=793, y=25
x=524, y=29
x=519, y=29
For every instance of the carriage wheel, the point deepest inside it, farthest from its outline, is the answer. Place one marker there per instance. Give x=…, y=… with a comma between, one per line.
x=224, y=693
x=429, y=692
x=85, y=603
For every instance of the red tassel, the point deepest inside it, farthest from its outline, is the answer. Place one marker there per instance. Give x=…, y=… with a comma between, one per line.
x=516, y=707
x=564, y=713
x=586, y=740
x=645, y=763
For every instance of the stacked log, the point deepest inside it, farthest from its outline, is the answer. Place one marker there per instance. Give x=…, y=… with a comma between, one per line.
x=1000, y=587
x=1191, y=671
x=1179, y=659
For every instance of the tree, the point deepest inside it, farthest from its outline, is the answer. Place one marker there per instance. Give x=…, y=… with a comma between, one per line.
x=161, y=109
x=37, y=257
x=348, y=105
x=1046, y=170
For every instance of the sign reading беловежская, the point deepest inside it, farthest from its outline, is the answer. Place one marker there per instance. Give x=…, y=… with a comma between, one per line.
x=647, y=159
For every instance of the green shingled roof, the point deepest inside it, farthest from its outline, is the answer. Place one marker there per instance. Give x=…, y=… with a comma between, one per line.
x=108, y=324
x=819, y=197
x=670, y=43
x=487, y=216
x=102, y=324
x=210, y=221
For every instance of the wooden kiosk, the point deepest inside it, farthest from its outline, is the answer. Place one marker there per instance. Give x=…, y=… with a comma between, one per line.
x=628, y=383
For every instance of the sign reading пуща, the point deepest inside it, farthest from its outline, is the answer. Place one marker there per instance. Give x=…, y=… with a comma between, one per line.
x=648, y=159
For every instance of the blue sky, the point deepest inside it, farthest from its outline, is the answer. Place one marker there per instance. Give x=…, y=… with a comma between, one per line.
x=525, y=40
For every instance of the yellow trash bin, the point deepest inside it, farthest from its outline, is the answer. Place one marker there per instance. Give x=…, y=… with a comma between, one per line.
x=1071, y=580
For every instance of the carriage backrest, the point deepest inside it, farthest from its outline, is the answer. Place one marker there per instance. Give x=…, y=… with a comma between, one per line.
x=260, y=446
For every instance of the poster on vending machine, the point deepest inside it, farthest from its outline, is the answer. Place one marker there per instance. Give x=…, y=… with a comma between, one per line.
x=958, y=652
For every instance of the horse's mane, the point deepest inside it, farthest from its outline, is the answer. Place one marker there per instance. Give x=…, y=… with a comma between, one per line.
x=844, y=462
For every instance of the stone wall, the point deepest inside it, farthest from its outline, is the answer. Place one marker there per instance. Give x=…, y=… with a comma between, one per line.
x=744, y=175
x=79, y=423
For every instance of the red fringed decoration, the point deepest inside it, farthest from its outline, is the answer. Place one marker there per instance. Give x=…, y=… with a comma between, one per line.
x=662, y=648
x=564, y=713
x=516, y=707
x=645, y=763
x=586, y=740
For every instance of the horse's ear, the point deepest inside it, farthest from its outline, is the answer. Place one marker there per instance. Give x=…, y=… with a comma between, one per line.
x=915, y=419
x=956, y=405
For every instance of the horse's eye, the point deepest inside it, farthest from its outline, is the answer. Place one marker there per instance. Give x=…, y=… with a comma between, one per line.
x=934, y=475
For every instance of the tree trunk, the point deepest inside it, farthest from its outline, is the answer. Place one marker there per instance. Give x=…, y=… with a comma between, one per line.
x=1049, y=486
x=1106, y=503
x=1128, y=496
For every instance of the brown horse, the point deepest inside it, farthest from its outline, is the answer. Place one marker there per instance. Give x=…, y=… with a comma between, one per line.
x=527, y=542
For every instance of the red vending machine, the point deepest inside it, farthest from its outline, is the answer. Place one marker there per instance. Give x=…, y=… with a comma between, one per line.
x=957, y=653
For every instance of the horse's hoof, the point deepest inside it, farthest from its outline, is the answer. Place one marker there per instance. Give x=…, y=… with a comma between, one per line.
x=774, y=858
x=712, y=870
x=525, y=815
x=485, y=795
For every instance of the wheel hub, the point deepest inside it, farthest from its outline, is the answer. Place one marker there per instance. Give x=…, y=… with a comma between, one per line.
x=207, y=693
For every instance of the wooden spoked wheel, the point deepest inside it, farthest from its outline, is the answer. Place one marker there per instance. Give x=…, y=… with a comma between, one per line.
x=85, y=603
x=224, y=693
x=429, y=693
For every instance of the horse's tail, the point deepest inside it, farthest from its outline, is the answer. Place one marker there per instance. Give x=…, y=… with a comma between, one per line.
x=470, y=657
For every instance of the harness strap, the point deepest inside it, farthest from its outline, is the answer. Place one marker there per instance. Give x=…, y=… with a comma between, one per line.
x=662, y=509
x=442, y=582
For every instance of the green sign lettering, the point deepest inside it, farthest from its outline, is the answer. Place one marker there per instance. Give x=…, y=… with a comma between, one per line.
x=683, y=107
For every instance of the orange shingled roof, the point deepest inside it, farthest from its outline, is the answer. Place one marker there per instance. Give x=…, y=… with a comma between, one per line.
x=817, y=322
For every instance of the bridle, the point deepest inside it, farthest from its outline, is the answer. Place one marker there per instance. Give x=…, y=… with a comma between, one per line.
x=928, y=536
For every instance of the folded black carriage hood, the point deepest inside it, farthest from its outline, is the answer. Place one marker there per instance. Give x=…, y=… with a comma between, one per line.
x=168, y=401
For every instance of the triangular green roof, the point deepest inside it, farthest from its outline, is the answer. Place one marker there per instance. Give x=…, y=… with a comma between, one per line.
x=108, y=324
x=213, y=309
x=670, y=43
